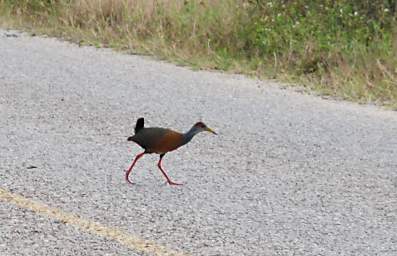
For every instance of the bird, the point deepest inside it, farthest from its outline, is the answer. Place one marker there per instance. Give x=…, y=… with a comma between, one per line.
x=161, y=141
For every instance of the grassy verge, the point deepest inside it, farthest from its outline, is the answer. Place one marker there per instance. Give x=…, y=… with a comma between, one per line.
x=342, y=48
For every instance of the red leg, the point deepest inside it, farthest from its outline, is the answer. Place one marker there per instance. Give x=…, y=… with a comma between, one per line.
x=165, y=174
x=132, y=165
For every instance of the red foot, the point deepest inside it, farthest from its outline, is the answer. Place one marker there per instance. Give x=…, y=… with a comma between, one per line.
x=132, y=165
x=174, y=183
x=126, y=178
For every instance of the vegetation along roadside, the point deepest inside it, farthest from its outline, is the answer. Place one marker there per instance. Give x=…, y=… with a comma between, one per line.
x=342, y=48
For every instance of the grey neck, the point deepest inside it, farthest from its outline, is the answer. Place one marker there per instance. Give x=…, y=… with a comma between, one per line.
x=188, y=136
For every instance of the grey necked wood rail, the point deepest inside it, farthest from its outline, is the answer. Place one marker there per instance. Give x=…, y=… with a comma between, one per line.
x=161, y=141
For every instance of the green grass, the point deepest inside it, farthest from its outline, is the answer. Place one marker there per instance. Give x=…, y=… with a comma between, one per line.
x=341, y=48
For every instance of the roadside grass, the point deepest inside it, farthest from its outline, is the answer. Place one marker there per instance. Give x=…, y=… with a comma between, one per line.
x=345, y=49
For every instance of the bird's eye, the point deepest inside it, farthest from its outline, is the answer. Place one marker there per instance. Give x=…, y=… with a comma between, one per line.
x=200, y=125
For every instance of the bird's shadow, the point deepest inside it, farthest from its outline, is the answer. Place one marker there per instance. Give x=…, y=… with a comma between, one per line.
x=135, y=185
x=153, y=184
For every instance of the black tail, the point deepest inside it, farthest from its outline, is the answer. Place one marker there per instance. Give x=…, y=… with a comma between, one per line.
x=140, y=123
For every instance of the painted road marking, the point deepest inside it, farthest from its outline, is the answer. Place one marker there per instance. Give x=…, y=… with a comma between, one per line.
x=128, y=240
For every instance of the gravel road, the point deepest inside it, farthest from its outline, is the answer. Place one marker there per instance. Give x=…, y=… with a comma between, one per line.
x=288, y=174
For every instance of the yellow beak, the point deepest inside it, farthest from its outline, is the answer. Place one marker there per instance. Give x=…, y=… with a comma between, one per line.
x=211, y=131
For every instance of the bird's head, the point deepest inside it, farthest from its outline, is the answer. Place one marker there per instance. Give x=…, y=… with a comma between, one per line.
x=201, y=127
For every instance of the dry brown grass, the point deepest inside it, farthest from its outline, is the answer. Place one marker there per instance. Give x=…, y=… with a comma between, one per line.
x=213, y=34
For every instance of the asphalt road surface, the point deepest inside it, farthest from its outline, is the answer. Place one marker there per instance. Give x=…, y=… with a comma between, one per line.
x=288, y=174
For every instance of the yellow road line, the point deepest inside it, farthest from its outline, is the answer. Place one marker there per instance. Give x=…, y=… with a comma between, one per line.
x=128, y=240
